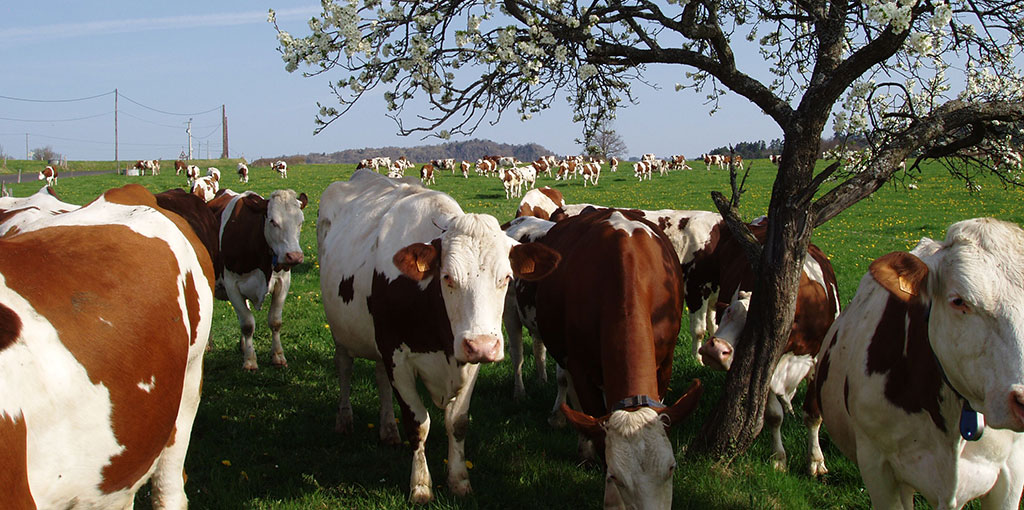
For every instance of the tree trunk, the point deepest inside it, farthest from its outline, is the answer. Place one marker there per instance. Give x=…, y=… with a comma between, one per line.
x=738, y=417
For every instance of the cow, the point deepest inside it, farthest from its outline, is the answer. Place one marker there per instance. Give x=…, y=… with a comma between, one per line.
x=364, y=163
x=259, y=245
x=395, y=171
x=775, y=159
x=540, y=202
x=16, y=213
x=412, y=282
x=48, y=174
x=817, y=305
x=486, y=166
x=207, y=187
x=610, y=314
x=679, y=163
x=281, y=167
x=200, y=217
x=528, y=174
x=642, y=170
x=191, y=174
x=613, y=164
x=465, y=166
x=243, y=172
x=567, y=170
x=179, y=167
x=541, y=166
x=427, y=174
x=737, y=161
x=591, y=173
x=100, y=397
x=933, y=337
x=512, y=181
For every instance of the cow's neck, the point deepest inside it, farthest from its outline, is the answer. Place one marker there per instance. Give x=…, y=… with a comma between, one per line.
x=629, y=371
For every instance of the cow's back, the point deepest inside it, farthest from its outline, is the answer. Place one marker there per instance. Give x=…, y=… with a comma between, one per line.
x=98, y=358
x=362, y=223
x=200, y=218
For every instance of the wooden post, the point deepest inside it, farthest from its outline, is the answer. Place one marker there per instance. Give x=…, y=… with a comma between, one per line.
x=224, y=131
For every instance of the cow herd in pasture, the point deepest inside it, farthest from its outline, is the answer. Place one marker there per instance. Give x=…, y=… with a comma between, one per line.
x=920, y=380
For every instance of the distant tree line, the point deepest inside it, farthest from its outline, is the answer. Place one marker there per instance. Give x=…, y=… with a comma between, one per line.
x=760, y=149
x=469, y=150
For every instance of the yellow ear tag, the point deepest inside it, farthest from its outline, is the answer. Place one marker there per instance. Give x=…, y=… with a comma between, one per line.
x=422, y=266
x=906, y=287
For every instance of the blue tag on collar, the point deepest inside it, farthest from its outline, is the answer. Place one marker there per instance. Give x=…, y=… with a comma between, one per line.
x=972, y=423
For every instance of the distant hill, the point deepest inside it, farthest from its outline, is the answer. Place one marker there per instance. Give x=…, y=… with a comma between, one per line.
x=469, y=150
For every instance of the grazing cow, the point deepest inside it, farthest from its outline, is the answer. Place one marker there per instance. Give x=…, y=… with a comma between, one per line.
x=364, y=163
x=206, y=187
x=511, y=181
x=541, y=203
x=396, y=171
x=932, y=338
x=243, y=172
x=486, y=166
x=281, y=167
x=642, y=170
x=507, y=161
x=99, y=394
x=16, y=213
x=48, y=174
x=610, y=315
x=412, y=282
x=567, y=170
x=679, y=163
x=817, y=305
x=191, y=174
x=541, y=166
x=465, y=169
x=591, y=172
x=427, y=174
x=737, y=161
x=775, y=159
x=613, y=164
x=403, y=163
x=259, y=243
x=529, y=175
x=179, y=167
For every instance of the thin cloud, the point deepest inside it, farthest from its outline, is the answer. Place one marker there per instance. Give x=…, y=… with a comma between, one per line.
x=21, y=35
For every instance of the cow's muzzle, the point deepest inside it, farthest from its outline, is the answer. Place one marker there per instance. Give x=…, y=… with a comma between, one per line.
x=483, y=349
x=716, y=353
x=290, y=260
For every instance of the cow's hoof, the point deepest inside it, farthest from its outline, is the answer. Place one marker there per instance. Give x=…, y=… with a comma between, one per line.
x=250, y=366
x=278, y=361
x=779, y=463
x=460, y=488
x=389, y=435
x=556, y=419
x=421, y=495
x=817, y=468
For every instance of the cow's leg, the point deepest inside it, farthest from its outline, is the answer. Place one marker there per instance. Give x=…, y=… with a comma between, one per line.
x=417, y=425
x=168, y=481
x=556, y=419
x=812, y=420
x=282, y=280
x=1007, y=490
x=456, y=422
x=773, y=414
x=388, y=427
x=514, y=329
x=247, y=325
x=879, y=479
x=540, y=364
x=343, y=363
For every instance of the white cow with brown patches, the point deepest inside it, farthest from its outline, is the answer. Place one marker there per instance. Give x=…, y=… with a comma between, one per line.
x=932, y=336
x=412, y=282
x=48, y=174
x=99, y=398
x=16, y=213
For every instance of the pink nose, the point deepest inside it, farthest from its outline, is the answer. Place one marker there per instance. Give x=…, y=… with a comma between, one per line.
x=290, y=260
x=1017, y=406
x=483, y=349
x=716, y=353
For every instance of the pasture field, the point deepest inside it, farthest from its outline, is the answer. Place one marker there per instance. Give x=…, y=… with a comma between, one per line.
x=265, y=440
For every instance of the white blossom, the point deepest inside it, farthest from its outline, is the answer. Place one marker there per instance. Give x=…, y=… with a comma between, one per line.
x=586, y=71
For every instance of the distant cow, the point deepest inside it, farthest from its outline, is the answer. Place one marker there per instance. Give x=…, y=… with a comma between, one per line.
x=100, y=393
x=512, y=181
x=206, y=187
x=281, y=167
x=243, y=172
x=486, y=166
x=613, y=164
x=540, y=202
x=191, y=174
x=528, y=174
x=48, y=174
x=179, y=167
x=932, y=338
x=775, y=159
x=817, y=305
x=610, y=314
x=16, y=213
x=427, y=174
x=642, y=170
x=567, y=170
x=465, y=166
x=591, y=173
x=412, y=282
x=259, y=243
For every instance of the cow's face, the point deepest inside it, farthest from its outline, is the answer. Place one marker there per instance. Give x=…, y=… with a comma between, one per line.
x=717, y=352
x=283, y=226
x=973, y=284
x=475, y=263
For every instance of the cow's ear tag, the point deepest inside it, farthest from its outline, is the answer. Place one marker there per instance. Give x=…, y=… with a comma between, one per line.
x=972, y=423
x=905, y=286
x=422, y=266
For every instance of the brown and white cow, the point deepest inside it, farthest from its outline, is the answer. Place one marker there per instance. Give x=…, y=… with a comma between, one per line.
x=512, y=181
x=411, y=281
x=259, y=244
x=281, y=167
x=16, y=213
x=486, y=166
x=243, y=172
x=198, y=215
x=465, y=166
x=206, y=187
x=591, y=172
x=930, y=337
x=48, y=174
x=179, y=167
x=643, y=170
x=191, y=174
x=99, y=394
x=613, y=164
x=610, y=314
x=567, y=170
x=541, y=203
x=817, y=305
x=427, y=174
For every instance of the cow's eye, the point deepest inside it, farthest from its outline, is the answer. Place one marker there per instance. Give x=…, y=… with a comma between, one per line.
x=448, y=280
x=958, y=304
x=505, y=281
x=273, y=223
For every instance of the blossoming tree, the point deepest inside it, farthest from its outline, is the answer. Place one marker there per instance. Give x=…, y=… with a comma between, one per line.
x=919, y=78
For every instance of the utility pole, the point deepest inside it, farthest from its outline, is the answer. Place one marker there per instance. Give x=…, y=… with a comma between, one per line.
x=117, y=160
x=224, y=131
x=189, y=131
x=27, y=155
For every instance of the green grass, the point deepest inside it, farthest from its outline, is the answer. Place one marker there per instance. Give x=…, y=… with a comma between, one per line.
x=265, y=440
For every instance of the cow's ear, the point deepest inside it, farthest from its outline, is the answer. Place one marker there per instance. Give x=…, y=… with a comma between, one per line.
x=417, y=261
x=587, y=425
x=303, y=200
x=257, y=203
x=684, y=406
x=902, y=274
x=533, y=261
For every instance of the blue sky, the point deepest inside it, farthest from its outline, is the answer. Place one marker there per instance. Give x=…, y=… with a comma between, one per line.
x=193, y=56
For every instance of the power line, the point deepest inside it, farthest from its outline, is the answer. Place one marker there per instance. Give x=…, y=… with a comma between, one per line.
x=57, y=120
x=149, y=121
x=165, y=112
x=56, y=100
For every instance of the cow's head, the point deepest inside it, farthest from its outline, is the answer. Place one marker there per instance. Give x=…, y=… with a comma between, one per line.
x=717, y=352
x=283, y=226
x=475, y=262
x=639, y=460
x=973, y=286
